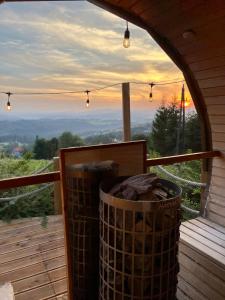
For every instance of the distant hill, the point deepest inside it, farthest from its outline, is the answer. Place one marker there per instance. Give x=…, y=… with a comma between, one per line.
x=27, y=130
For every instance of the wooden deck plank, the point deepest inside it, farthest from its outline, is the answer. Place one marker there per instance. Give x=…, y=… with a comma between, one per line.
x=206, y=234
x=28, y=271
x=207, y=228
x=203, y=240
x=60, y=286
x=213, y=225
x=26, y=239
x=210, y=253
x=44, y=292
x=63, y=296
x=189, y=290
x=30, y=222
x=55, y=241
x=196, y=283
x=32, y=258
x=202, y=259
x=39, y=280
x=212, y=284
x=31, y=241
x=6, y=233
x=181, y=295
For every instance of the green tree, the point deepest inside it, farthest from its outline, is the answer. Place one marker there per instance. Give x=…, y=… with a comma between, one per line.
x=45, y=149
x=193, y=133
x=164, y=129
x=53, y=146
x=40, y=149
x=67, y=139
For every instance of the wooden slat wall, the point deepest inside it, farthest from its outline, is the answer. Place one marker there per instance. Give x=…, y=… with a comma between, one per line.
x=201, y=57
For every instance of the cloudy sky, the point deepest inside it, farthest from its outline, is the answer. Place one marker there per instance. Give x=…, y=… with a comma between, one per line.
x=64, y=46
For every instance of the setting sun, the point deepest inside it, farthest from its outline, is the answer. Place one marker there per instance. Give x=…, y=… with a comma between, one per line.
x=187, y=103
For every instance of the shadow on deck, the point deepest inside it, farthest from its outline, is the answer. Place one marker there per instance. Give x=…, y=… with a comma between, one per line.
x=32, y=258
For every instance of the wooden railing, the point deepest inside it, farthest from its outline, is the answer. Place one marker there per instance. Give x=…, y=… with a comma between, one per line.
x=169, y=160
x=29, y=180
x=55, y=176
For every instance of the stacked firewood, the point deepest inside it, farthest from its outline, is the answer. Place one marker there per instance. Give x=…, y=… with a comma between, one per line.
x=141, y=187
x=147, y=248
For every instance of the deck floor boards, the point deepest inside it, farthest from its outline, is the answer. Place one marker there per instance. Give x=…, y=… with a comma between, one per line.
x=32, y=258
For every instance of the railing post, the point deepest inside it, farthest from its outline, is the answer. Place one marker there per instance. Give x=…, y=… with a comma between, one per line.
x=126, y=111
x=57, y=191
x=204, y=191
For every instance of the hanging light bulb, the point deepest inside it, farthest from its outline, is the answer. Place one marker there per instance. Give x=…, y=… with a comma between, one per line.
x=151, y=93
x=126, y=40
x=88, y=101
x=8, y=102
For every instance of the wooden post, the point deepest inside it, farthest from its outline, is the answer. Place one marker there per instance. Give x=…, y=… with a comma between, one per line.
x=204, y=190
x=126, y=111
x=57, y=190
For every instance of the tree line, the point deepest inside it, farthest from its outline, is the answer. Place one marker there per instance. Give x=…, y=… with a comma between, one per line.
x=163, y=137
x=47, y=149
x=166, y=138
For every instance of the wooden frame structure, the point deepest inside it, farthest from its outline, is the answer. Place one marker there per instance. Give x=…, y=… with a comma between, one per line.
x=129, y=164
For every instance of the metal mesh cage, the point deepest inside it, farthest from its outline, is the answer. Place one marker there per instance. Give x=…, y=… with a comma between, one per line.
x=138, y=246
x=82, y=189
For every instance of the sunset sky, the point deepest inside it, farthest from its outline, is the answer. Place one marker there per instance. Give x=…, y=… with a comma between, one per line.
x=63, y=46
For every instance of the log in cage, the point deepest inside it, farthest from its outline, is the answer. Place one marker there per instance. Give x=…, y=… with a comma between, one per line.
x=82, y=192
x=138, y=246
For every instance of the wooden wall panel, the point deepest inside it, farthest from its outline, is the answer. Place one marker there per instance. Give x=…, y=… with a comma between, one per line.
x=131, y=156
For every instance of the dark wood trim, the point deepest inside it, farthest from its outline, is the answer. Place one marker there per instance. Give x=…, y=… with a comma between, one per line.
x=102, y=146
x=145, y=155
x=29, y=180
x=181, y=158
x=68, y=257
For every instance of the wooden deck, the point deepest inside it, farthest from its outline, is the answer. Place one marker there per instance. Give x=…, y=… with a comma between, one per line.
x=32, y=258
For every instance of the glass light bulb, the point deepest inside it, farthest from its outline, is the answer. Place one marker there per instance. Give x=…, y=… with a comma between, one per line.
x=126, y=40
x=8, y=106
x=87, y=103
x=126, y=43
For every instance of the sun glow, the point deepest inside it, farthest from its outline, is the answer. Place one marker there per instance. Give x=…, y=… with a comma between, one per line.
x=187, y=103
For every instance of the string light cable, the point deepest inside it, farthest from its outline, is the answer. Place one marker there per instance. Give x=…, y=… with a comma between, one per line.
x=87, y=92
x=91, y=90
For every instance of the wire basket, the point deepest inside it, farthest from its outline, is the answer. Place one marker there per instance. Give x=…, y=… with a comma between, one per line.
x=82, y=193
x=138, y=246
